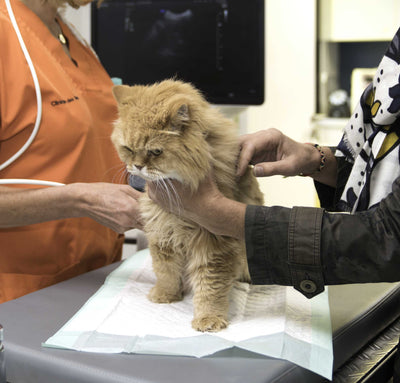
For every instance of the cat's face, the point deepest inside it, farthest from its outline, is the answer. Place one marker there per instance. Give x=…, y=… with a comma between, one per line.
x=156, y=137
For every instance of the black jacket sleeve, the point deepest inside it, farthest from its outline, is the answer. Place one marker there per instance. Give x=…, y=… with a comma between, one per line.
x=311, y=247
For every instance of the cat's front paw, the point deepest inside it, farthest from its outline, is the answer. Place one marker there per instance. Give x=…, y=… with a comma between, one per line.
x=158, y=295
x=209, y=323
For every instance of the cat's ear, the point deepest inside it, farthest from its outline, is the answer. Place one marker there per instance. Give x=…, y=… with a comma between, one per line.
x=121, y=93
x=181, y=118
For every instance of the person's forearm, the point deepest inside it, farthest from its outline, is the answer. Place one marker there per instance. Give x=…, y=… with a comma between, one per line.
x=112, y=205
x=221, y=216
x=20, y=207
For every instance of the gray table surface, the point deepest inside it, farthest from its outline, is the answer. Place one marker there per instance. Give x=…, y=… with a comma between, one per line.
x=32, y=319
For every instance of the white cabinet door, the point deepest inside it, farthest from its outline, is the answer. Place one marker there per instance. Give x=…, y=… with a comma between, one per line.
x=358, y=20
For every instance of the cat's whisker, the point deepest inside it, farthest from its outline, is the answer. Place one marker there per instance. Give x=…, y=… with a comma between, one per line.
x=121, y=176
x=119, y=171
x=176, y=197
x=169, y=193
x=166, y=191
x=113, y=169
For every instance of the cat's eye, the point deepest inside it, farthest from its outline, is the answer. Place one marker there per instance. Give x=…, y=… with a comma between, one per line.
x=128, y=149
x=155, y=152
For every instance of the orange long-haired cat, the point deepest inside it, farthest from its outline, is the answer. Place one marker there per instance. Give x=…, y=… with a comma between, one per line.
x=168, y=131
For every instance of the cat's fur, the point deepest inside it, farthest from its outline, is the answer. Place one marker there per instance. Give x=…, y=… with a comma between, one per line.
x=168, y=131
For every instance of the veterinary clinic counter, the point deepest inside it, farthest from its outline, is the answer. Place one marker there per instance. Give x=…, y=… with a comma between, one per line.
x=359, y=315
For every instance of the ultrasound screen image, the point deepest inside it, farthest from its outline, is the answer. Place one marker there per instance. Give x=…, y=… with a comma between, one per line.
x=218, y=45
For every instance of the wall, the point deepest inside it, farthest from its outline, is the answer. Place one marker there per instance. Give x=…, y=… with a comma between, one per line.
x=80, y=18
x=290, y=86
x=290, y=89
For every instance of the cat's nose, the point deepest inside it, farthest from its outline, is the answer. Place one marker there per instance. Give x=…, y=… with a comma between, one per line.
x=139, y=167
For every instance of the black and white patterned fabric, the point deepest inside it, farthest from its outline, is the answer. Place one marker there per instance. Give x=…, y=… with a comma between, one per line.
x=372, y=136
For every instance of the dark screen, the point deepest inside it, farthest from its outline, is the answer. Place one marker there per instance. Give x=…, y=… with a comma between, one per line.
x=218, y=45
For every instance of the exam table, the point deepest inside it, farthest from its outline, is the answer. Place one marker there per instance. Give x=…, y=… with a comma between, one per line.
x=365, y=321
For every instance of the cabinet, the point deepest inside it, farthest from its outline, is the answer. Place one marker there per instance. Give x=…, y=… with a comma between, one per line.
x=352, y=34
x=358, y=20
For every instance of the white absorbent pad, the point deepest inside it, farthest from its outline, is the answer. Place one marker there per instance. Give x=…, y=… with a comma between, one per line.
x=275, y=321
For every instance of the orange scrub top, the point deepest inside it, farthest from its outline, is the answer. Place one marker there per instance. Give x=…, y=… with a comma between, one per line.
x=72, y=145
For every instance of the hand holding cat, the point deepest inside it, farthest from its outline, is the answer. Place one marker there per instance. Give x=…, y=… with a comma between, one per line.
x=273, y=153
x=113, y=205
x=207, y=206
x=179, y=199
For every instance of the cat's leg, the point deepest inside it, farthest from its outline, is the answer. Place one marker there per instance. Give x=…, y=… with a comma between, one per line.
x=212, y=281
x=168, y=267
x=243, y=273
x=211, y=300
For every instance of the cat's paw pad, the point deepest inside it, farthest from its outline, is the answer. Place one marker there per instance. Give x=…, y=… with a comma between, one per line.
x=209, y=324
x=158, y=296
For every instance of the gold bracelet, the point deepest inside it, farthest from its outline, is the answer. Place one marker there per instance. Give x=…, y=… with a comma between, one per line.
x=322, y=160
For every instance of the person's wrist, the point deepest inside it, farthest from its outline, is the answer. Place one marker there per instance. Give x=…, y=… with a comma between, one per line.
x=76, y=200
x=317, y=160
x=222, y=216
x=201, y=209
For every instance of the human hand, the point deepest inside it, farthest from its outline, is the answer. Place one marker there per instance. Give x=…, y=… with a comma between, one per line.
x=180, y=199
x=113, y=205
x=273, y=153
x=206, y=206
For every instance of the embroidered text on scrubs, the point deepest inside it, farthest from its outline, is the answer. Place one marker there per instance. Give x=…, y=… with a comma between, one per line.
x=61, y=102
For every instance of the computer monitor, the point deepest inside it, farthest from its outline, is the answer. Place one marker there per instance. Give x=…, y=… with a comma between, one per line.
x=217, y=45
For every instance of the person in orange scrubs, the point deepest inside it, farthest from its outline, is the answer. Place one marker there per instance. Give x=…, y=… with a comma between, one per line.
x=49, y=234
